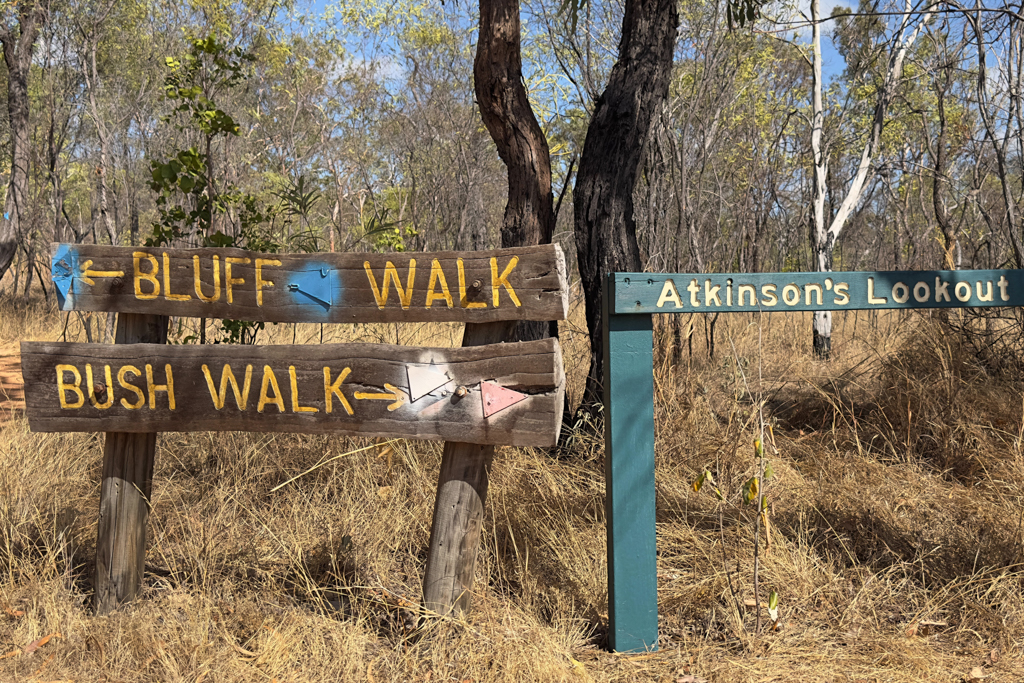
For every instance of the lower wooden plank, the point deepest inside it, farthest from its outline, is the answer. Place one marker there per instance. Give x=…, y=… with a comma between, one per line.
x=354, y=389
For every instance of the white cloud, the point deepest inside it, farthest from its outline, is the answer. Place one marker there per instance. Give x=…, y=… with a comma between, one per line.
x=799, y=15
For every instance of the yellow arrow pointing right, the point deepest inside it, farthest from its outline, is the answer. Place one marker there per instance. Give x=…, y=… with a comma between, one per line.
x=396, y=395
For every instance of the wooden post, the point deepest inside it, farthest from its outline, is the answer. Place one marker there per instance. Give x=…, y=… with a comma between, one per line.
x=629, y=478
x=126, y=488
x=459, y=506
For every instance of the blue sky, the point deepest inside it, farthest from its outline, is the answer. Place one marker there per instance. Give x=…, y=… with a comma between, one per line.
x=833, y=63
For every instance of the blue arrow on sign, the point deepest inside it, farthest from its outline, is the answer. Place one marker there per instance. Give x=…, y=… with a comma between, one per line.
x=313, y=285
x=63, y=267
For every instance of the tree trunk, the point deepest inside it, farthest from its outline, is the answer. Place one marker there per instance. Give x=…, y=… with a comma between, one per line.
x=940, y=182
x=999, y=147
x=529, y=220
x=822, y=323
x=18, y=43
x=824, y=237
x=506, y=111
x=616, y=141
x=91, y=83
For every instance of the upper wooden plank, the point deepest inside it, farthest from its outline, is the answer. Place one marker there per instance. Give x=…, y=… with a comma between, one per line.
x=840, y=291
x=526, y=283
x=461, y=394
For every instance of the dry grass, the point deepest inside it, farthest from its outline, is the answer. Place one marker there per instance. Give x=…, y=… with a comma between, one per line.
x=897, y=499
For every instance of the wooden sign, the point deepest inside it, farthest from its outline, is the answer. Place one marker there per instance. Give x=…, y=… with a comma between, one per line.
x=508, y=394
x=475, y=397
x=737, y=292
x=526, y=283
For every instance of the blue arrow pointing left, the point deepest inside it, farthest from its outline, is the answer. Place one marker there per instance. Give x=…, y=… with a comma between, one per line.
x=64, y=267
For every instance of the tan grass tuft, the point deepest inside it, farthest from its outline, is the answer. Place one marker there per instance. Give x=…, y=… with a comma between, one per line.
x=896, y=502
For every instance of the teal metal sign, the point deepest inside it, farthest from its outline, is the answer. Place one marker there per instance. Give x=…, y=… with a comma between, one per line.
x=630, y=299
x=739, y=292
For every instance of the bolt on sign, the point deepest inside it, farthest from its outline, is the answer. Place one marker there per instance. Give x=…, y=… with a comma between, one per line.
x=473, y=397
x=628, y=303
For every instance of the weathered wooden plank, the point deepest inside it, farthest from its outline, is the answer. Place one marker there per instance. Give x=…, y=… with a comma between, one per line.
x=125, y=490
x=355, y=389
x=527, y=283
x=459, y=506
x=840, y=291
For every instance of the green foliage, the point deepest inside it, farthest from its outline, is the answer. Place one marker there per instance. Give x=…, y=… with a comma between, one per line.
x=706, y=478
x=188, y=196
x=386, y=235
x=739, y=13
x=297, y=203
x=239, y=331
x=209, y=67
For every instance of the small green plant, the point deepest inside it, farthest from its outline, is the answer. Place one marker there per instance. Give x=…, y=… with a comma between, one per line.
x=752, y=492
x=190, y=199
x=189, y=196
x=297, y=203
x=240, y=331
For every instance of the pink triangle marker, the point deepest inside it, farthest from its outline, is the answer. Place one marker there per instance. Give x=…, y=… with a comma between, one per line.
x=497, y=398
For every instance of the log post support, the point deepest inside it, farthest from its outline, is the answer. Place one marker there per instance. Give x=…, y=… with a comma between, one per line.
x=126, y=489
x=629, y=478
x=459, y=506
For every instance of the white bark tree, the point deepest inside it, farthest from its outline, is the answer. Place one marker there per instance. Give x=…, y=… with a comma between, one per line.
x=825, y=232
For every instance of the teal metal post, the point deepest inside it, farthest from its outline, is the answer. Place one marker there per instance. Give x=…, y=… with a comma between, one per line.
x=629, y=478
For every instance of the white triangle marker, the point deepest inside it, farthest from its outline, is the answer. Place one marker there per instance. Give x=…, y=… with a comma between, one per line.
x=423, y=380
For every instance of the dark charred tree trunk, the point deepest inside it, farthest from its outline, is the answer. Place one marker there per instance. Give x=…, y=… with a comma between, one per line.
x=940, y=180
x=506, y=111
x=615, y=146
x=18, y=42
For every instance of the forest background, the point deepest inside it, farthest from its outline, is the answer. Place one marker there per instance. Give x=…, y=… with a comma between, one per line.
x=886, y=139
x=355, y=126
